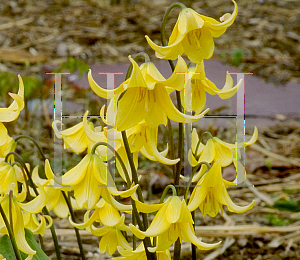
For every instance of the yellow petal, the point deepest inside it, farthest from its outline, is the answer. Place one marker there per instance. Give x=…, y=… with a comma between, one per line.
x=35, y=205
x=172, y=112
x=12, y=112
x=189, y=20
x=222, y=153
x=169, y=52
x=3, y=134
x=208, y=153
x=77, y=174
x=173, y=209
x=188, y=235
x=104, y=93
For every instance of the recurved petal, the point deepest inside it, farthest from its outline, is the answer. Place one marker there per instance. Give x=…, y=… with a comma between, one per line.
x=9, y=114
x=104, y=93
x=217, y=28
x=177, y=79
x=12, y=112
x=189, y=236
x=170, y=52
x=151, y=148
x=61, y=209
x=35, y=205
x=76, y=174
x=164, y=101
x=233, y=207
x=88, y=220
x=110, y=199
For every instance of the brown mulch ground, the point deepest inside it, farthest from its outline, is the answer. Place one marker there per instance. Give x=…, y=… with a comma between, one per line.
x=267, y=31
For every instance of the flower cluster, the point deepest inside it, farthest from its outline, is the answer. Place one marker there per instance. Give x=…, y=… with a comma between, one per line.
x=140, y=105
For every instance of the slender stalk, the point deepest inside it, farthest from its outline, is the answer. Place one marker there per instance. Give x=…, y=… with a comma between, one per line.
x=42, y=243
x=79, y=241
x=194, y=253
x=11, y=234
x=192, y=175
x=171, y=144
x=33, y=141
x=10, y=210
x=165, y=192
x=177, y=247
x=146, y=241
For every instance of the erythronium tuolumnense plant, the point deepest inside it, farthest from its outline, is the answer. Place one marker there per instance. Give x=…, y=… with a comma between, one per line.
x=138, y=110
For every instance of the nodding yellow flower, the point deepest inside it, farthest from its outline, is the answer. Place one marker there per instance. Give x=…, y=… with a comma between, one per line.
x=55, y=201
x=172, y=220
x=216, y=149
x=146, y=97
x=90, y=180
x=211, y=193
x=193, y=35
x=194, y=97
x=34, y=206
x=112, y=225
x=31, y=222
x=12, y=112
x=140, y=254
x=10, y=174
x=74, y=137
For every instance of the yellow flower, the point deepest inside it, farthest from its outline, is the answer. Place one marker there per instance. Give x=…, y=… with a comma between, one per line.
x=140, y=254
x=216, y=149
x=9, y=174
x=31, y=222
x=173, y=220
x=90, y=180
x=146, y=97
x=110, y=232
x=12, y=112
x=55, y=201
x=33, y=206
x=143, y=138
x=74, y=137
x=194, y=97
x=211, y=193
x=193, y=35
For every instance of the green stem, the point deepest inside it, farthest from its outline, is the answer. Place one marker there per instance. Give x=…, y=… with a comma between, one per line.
x=171, y=144
x=139, y=55
x=11, y=234
x=165, y=192
x=42, y=243
x=146, y=241
x=28, y=196
x=10, y=210
x=194, y=253
x=79, y=241
x=163, y=27
x=34, y=142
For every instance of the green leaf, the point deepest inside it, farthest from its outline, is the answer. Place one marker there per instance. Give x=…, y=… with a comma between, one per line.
x=287, y=205
x=7, y=251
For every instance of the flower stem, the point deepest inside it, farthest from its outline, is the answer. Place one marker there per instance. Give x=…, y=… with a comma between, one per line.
x=79, y=241
x=146, y=241
x=177, y=247
x=33, y=141
x=165, y=192
x=11, y=234
x=139, y=55
x=191, y=177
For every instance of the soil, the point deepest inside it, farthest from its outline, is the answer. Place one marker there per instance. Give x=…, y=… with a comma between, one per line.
x=266, y=37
